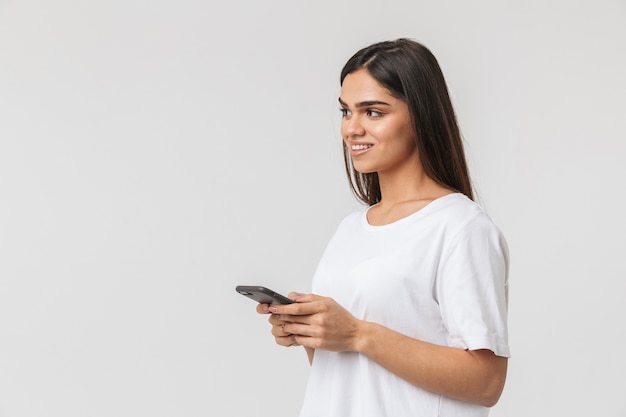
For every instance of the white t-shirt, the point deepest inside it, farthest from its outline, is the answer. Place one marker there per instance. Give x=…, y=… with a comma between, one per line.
x=439, y=275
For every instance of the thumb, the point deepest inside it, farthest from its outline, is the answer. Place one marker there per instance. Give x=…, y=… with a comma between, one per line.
x=301, y=297
x=295, y=296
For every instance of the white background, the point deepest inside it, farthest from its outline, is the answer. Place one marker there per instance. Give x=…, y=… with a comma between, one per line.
x=155, y=154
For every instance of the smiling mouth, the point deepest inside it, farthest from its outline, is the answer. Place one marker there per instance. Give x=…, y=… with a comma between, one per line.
x=360, y=147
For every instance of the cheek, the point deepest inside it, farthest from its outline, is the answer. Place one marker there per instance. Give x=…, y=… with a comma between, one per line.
x=401, y=140
x=386, y=133
x=404, y=134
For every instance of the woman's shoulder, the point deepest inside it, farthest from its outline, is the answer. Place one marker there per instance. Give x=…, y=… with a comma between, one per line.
x=458, y=205
x=459, y=211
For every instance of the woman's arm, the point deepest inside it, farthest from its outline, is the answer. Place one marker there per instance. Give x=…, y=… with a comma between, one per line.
x=475, y=376
x=316, y=322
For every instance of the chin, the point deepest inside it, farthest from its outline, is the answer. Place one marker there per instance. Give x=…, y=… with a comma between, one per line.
x=362, y=169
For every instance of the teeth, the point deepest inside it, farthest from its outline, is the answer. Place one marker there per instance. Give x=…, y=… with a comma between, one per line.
x=360, y=147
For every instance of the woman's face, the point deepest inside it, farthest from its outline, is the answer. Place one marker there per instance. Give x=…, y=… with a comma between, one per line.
x=376, y=126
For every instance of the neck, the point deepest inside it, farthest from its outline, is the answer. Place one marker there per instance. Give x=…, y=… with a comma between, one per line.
x=400, y=187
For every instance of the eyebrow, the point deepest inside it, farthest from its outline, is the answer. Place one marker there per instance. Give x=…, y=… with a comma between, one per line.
x=365, y=103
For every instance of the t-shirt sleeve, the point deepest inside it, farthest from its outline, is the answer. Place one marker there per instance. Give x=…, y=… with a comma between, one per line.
x=472, y=288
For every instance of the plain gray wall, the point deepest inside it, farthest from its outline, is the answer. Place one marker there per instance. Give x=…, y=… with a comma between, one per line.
x=155, y=154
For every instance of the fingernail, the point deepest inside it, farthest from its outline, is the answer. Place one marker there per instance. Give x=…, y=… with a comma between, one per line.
x=272, y=309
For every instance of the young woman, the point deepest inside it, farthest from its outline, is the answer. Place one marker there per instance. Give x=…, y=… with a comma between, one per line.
x=409, y=304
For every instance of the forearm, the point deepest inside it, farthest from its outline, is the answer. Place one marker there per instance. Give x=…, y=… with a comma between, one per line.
x=473, y=376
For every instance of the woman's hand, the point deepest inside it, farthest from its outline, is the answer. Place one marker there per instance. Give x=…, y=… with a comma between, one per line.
x=282, y=337
x=314, y=322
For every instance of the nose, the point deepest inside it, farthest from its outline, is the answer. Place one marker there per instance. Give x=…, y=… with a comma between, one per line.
x=351, y=126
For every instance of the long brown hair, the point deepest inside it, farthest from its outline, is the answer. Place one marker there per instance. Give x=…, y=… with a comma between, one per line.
x=412, y=74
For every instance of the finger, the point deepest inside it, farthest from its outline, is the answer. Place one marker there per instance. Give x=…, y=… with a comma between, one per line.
x=304, y=298
x=279, y=331
x=278, y=327
x=263, y=309
x=289, y=318
x=295, y=295
x=286, y=341
x=275, y=319
x=298, y=309
x=297, y=329
x=305, y=341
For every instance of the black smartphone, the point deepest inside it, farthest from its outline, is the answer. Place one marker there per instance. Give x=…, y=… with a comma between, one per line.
x=262, y=295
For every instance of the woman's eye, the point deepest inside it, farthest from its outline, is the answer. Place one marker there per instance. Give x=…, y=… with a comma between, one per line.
x=373, y=113
x=344, y=112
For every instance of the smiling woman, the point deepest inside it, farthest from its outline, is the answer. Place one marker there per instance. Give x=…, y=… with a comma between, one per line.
x=409, y=73
x=409, y=304
x=376, y=127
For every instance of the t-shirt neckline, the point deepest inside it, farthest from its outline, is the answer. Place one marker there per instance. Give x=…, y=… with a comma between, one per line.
x=416, y=214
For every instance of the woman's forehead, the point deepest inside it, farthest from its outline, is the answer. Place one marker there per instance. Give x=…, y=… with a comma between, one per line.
x=360, y=86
